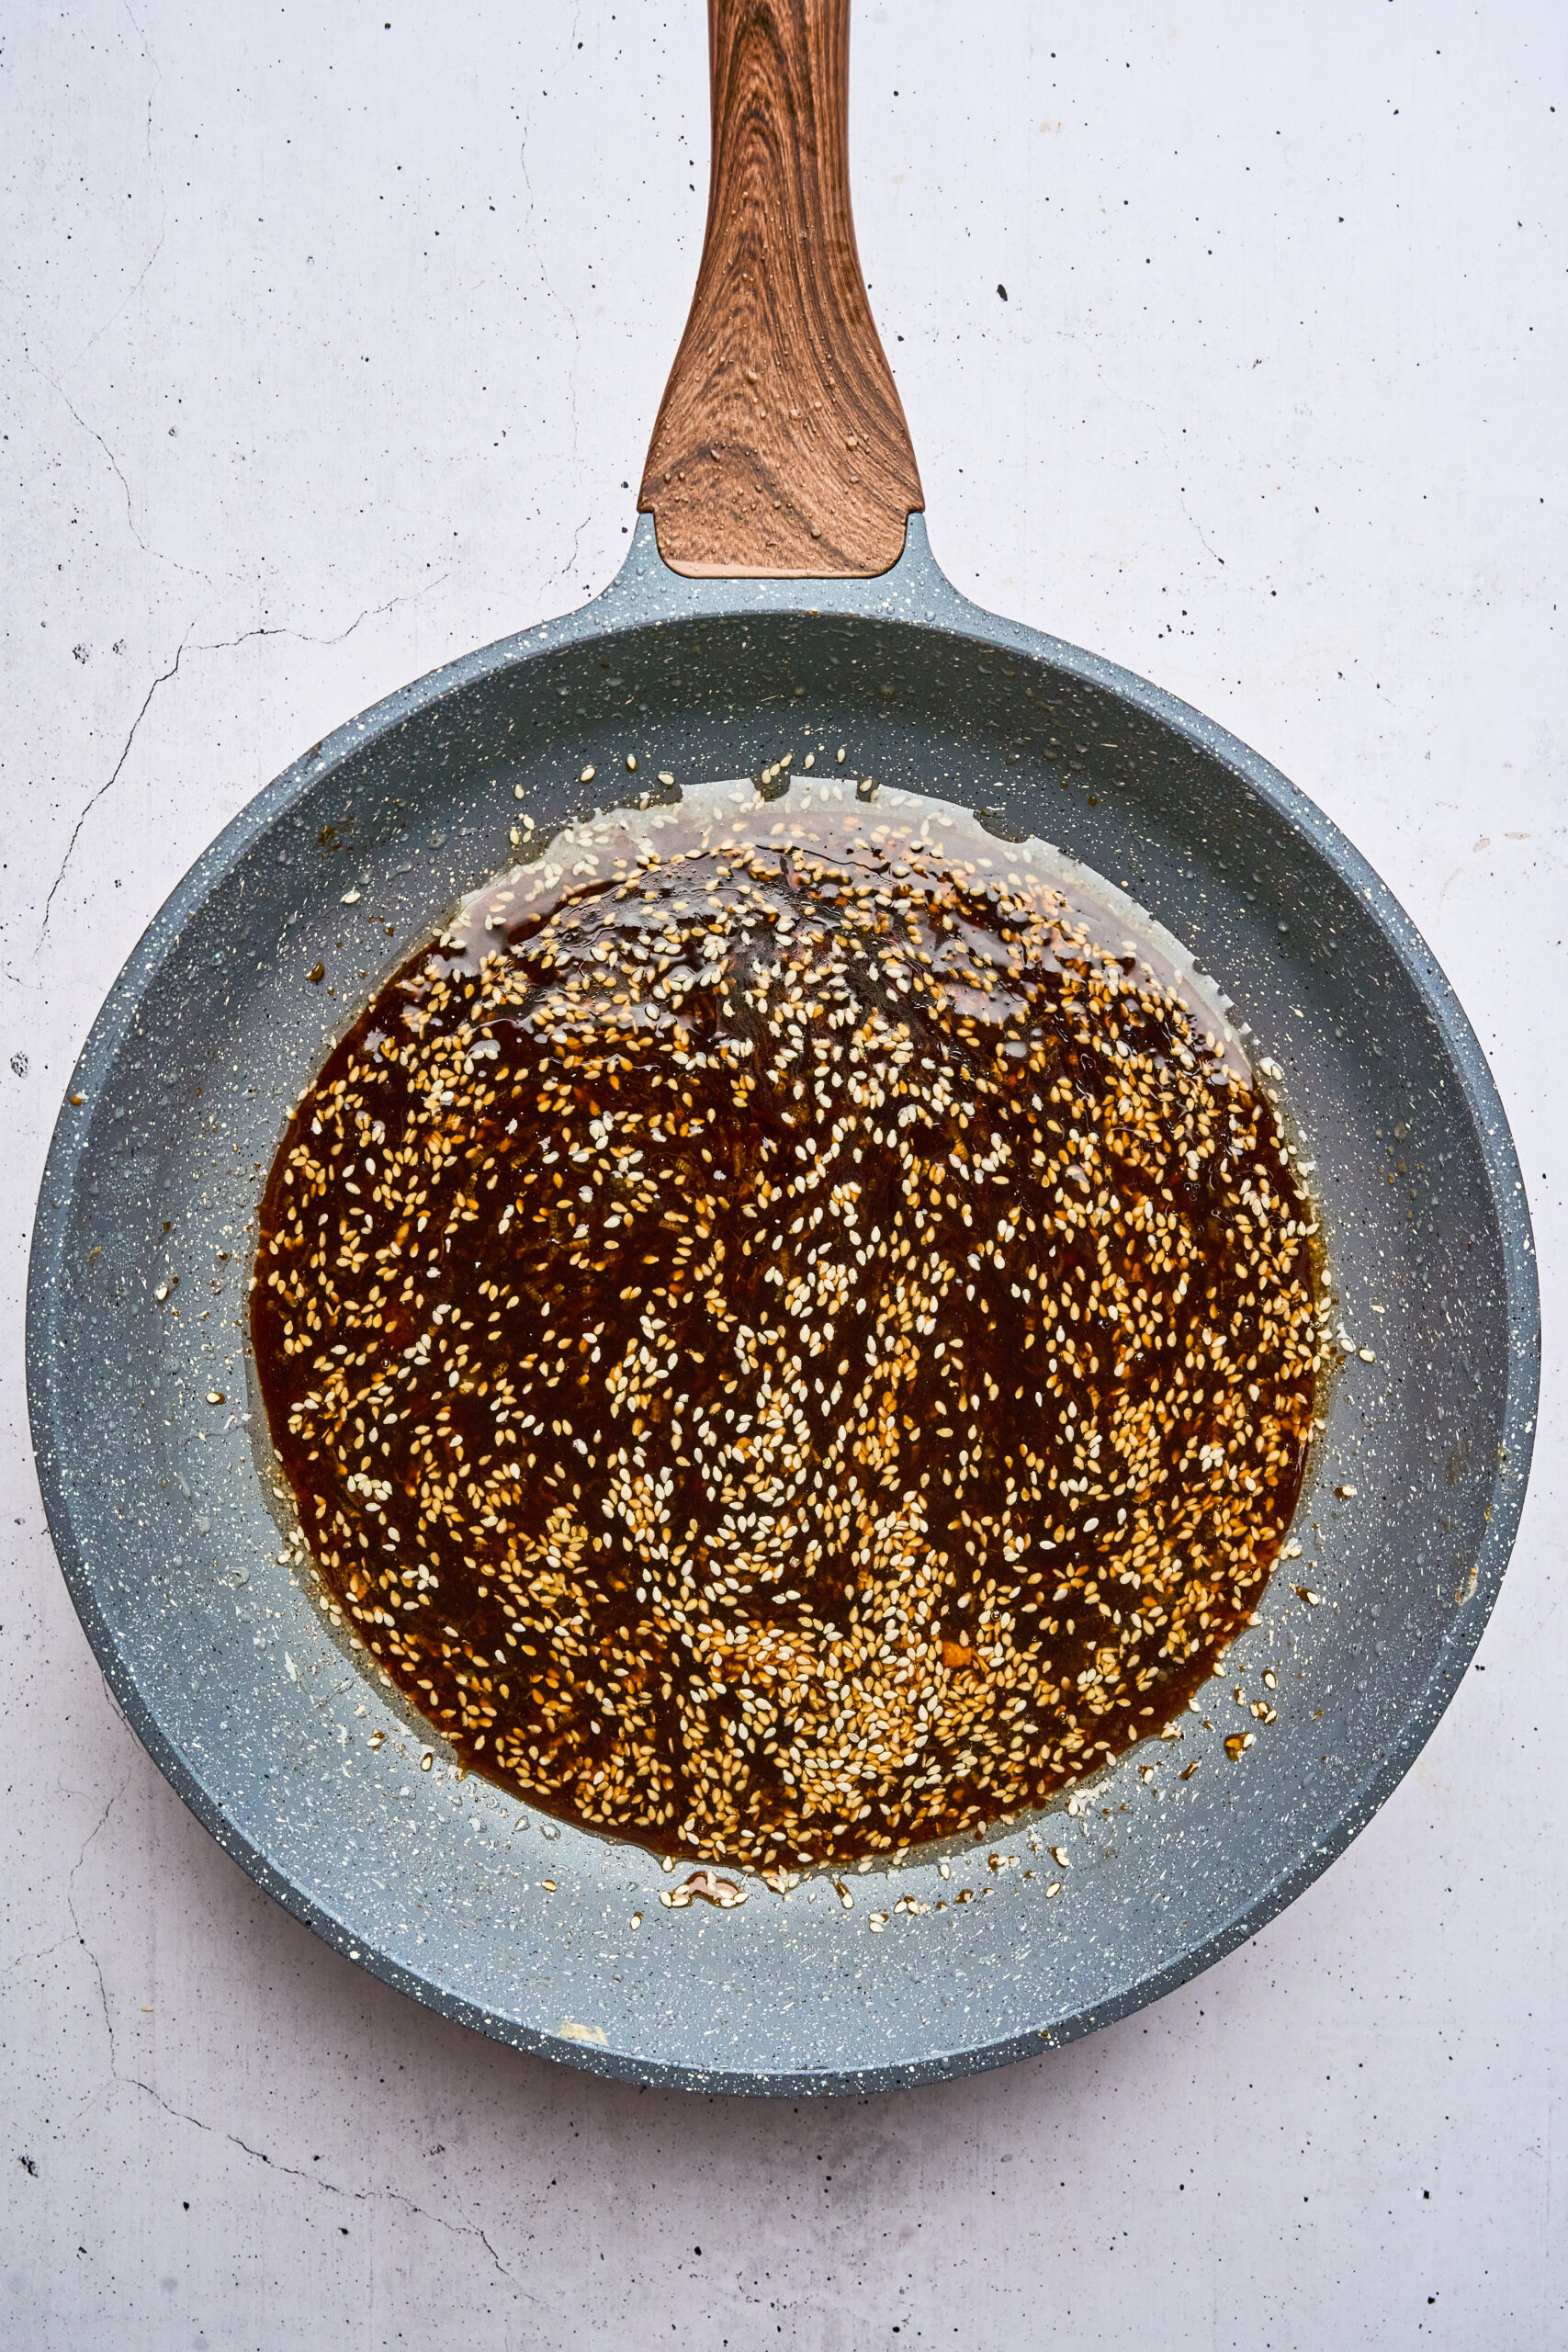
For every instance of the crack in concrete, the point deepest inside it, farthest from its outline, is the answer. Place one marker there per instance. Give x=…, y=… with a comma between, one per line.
x=570, y=566
x=304, y=637
x=327, y=2188
x=161, y=680
x=190, y=570
x=157, y=179
x=31, y=1959
x=217, y=645
x=182, y=2115
x=77, y=1923
x=1173, y=461
x=1197, y=527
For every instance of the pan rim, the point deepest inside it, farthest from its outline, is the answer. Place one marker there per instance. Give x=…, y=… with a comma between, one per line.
x=914, y=593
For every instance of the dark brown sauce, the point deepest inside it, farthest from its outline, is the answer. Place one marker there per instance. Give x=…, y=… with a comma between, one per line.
x=792, y=1348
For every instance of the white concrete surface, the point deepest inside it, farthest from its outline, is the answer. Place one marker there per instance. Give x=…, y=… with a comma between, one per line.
x=330, y=344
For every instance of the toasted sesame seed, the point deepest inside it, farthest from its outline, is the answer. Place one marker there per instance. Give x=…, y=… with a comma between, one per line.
x=642, y=1292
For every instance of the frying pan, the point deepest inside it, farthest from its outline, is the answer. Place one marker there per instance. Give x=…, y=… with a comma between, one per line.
x=779, y=591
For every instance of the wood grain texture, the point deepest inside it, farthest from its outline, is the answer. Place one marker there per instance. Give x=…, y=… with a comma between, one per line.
x=780, y=447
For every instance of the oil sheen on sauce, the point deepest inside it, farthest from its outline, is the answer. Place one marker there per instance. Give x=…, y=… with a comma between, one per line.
x=791, y=1327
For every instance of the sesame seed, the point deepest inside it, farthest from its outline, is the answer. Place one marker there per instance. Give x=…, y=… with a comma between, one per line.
x=640, y=1306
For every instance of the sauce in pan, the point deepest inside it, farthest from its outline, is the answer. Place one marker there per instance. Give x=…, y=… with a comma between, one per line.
x=787, y=1339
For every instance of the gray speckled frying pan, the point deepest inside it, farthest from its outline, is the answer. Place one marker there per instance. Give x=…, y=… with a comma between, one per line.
x=452, y=1891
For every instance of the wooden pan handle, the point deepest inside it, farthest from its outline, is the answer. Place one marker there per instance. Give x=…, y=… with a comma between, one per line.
x=780, y=448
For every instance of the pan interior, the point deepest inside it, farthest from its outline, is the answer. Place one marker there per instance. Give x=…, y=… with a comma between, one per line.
x=449, y=1888
x=634, y=1567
